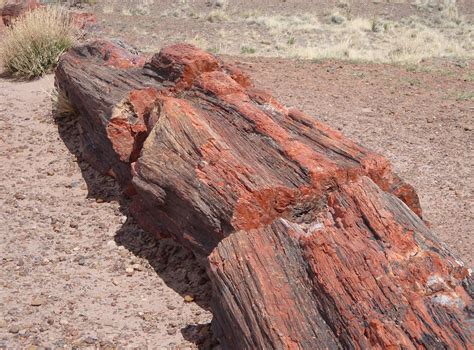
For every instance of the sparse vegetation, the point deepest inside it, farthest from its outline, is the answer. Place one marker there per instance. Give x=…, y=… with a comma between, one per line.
x=32, y=46
x=436, y=30
x=378, y=40
x=279, y=24
x=61, y=105
x=247, y=50
x=466, y=96
x=217, y=15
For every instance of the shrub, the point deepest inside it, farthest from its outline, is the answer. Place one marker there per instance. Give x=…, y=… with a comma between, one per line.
x=33, y=44
x=216, y=16
x=247, y=50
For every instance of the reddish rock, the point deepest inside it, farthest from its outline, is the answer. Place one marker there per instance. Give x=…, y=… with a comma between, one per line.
x=310, y=240
x=366, y=273
x=16, y=8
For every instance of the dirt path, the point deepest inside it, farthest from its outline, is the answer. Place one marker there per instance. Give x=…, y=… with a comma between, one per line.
x=67, y=245
x=76, y=271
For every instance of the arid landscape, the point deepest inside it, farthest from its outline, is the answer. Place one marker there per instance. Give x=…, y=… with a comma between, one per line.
x=76, y=269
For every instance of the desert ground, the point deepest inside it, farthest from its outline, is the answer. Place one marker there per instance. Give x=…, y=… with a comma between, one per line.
x=77, y=272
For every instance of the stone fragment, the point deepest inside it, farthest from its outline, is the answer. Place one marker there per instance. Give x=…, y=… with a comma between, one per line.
x=14, y=9
x=37, y=301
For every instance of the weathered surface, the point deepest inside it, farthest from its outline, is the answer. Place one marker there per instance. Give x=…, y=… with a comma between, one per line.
x=312, y=241
x=16, y=8
x=367, y=273
x=115, y=79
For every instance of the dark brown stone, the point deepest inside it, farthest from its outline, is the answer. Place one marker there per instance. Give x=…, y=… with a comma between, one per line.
x=14, y=9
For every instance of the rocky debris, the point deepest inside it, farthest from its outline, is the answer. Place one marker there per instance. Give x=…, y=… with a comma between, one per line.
x=14, y=9
x=83, y=20
x=310, y=240
x=37, y=301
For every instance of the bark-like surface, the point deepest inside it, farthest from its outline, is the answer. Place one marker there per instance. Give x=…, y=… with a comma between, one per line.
x=14, y=9
x=310, y=240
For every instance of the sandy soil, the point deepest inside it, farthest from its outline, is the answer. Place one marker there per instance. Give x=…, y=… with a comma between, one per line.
x=75, y=270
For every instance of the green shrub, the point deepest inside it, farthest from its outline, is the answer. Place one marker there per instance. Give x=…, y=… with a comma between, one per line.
x=247, y=50
x=33, y=44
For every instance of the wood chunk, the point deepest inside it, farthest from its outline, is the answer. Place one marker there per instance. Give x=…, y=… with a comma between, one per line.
x=13, y=9
x=310, y=240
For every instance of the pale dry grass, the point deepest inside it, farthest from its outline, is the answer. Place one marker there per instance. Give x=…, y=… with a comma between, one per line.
x=61, y=104
x=279, y=23
x=217, y=15
x=127, y=7
x=409, y=41
x=32, y=46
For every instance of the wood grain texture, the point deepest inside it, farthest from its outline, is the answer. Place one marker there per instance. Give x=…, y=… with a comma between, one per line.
x=13, y=9
x=310, y=240
x=367, y=273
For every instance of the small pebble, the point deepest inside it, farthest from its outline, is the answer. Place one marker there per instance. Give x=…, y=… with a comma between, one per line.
x=20, y=196
x=37, y=301
x=14, y=329
x=137, y=267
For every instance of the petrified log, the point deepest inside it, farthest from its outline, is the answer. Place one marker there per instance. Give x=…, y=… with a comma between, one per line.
x=16, y=8
x=310, y=240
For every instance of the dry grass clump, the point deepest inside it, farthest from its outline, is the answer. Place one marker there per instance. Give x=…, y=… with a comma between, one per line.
x=279, y=23
x=61, y=105
x=32, y=46
x=217, y=15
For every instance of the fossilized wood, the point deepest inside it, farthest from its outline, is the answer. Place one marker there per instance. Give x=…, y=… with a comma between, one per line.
x=105, y=82
x=366, y=273
x=14, y=9
x=310, y=240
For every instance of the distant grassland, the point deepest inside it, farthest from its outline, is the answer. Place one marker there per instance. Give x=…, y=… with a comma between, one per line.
x=408, y=41
x=441, y=32
x=339, y=35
